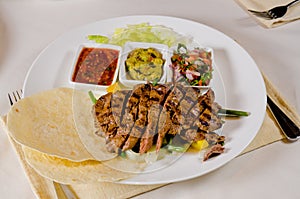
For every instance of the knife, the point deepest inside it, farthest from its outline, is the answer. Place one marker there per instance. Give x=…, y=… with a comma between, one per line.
x=287, y=126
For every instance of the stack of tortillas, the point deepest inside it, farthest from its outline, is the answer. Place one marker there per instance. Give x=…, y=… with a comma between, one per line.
x=57, y=133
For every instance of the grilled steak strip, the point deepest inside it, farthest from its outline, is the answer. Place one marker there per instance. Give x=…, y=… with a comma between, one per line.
x=141, y=120
x=189, y=101
x=191, y=131
x=118, y=102
x=130, y=114
x=213, y=151
x=186, y=104
x=203, y=101
x=103, y=113
x=170, y=114
x=157, y=97
x=213, y=138
x=181, y=109
x=209, y=119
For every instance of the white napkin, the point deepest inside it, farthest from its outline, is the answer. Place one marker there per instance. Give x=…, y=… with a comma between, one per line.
x=292, y=14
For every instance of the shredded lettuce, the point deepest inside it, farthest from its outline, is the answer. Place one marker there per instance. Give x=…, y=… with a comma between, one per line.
x=143, y=32
x=98, y=38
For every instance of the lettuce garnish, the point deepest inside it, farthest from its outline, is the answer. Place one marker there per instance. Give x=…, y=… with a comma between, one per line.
x=143, y=32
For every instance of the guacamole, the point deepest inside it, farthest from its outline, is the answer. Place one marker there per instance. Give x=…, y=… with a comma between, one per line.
x=145, y=64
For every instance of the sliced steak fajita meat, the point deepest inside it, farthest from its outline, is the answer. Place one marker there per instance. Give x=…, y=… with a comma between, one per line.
x=188, y=102
x=209, y=119
x=206, y=114
x=213, y=151
x=157, y=97
x=130, y=113
x=118, y=102
x=170, y=115
x=197, y=114
x=214, y=138
x=141, y=120
x=152, y=114
x=105, y=120
x=202, y=103
x=190, y=99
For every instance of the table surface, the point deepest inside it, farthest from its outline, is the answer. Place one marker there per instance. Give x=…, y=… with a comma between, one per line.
x=26, y=27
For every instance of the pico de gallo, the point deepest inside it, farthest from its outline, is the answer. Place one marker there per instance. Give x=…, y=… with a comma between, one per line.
x=193, y=67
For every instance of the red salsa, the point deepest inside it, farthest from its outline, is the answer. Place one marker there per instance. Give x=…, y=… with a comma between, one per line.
x=96, y=66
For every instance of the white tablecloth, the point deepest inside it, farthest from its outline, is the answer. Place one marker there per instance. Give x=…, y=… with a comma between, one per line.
x=26, y=27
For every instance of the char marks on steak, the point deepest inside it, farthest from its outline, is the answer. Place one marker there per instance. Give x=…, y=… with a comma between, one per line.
x=118, y=103
x=116, y=143
x=193, y=129
x=169, y=120
x=105, y=119
x=140, y=121
x=140, y=118
x=157, y=97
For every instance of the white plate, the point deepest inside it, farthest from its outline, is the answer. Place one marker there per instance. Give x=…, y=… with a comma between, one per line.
x=244, y=87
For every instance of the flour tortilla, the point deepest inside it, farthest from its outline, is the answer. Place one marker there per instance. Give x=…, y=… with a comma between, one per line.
x=68, y=172
x=45, y=122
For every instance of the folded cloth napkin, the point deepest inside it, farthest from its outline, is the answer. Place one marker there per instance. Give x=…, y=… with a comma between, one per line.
x=292, y=14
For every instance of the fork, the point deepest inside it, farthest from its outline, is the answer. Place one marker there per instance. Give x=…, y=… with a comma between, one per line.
x=62, y=191
x=14, y=97
x=275, y=12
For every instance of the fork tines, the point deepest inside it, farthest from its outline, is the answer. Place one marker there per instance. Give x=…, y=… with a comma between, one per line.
x=262, y=14
x=14, y=97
